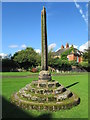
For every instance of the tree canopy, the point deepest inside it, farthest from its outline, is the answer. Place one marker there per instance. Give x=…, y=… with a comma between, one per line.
x=27, y=58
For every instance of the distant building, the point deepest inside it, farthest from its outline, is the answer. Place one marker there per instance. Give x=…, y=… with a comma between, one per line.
x=74, y=55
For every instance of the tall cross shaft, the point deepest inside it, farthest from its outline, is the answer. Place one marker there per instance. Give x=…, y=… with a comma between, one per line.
x=44, y=52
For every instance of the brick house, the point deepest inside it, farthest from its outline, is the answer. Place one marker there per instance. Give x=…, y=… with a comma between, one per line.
x=75, y=54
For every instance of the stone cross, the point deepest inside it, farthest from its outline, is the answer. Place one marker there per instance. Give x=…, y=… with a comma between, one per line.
x=44, y=52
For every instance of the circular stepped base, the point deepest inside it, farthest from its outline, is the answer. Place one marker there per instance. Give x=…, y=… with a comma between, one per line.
x=45, y=95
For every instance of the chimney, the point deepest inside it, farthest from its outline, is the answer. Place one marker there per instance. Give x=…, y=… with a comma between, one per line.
x=67, y=45
x=62, y=47
x=72, y=46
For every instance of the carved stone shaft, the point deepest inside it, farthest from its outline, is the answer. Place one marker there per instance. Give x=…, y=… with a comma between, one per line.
x=44, y=53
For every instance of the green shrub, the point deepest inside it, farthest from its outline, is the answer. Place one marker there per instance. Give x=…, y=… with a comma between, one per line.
x=73, y=63
x=84, y=64
x=65, y=53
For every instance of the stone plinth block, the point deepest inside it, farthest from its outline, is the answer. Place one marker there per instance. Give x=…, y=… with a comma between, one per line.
x=44, y=75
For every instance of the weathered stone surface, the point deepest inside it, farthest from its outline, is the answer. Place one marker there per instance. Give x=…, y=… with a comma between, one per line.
x=32, y=90
x=39, y=99
x=59, y=90
x=44, y=75
x=34, y=82
x=57, y=84
x=26, y=95
x=50, y=85
x=42, y=85
x=44, y=52
x=64, y=95
x=34, y=98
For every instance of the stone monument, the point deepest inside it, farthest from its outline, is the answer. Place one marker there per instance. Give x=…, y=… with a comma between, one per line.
x=44, y=74
x=45, y=93
x=44, y=61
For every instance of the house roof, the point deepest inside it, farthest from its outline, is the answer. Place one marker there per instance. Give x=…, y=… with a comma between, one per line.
x=60, y=51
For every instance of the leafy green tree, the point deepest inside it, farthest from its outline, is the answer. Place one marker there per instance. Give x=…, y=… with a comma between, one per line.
x=58, y=63
x=9, y=65
x=65, y=65
x=85, y=56
x=84, y=64
x=50, y=58
x=27, y=58
x=73, y=63
x=0, y=57
x=86, y=59
x=65, y=53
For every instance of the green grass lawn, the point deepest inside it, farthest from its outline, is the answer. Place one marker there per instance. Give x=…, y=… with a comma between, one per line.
x=30, y=73
x=16, y=73
x=11, y=85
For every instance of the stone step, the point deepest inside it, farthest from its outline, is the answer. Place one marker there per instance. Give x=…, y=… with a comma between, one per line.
x=44, y=83
x=46, y=97
x=64, y=95
x=59, y=90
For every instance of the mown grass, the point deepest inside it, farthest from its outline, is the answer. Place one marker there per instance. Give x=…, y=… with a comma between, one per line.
x=16, y=73
x=31, y=73
x=11, y=85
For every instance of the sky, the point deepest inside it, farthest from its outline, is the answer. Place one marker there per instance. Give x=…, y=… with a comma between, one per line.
x=67, y=22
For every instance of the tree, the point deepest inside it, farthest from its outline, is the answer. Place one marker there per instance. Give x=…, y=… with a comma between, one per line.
x=27, y=58
x=50, y=58
x=65, y=65
x=9, y=65
x=73, y=63
x=65, y=53
x=0, y=57
x=85, y=56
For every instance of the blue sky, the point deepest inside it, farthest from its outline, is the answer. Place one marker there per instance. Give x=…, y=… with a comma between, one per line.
x=21, y=25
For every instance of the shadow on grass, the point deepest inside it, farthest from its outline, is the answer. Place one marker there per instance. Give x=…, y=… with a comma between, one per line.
x=72, y=85
x=10, y=110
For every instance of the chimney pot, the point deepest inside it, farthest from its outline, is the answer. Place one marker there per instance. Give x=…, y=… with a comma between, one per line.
x=62, y=47
x=67, y=45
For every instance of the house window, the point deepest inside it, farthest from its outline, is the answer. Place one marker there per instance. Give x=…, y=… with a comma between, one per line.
x=68, y=58
x=77, y=59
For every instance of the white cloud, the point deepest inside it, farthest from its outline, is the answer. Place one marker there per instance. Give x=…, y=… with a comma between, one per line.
x=87, y=5
x=84, y=46
x=75, y=46
x=77, y=5
x=3, y=55
x=51, y=46
x=81, y=11
x=19, y=50
x=38, y=50
x=23, y=46
x=84, y=16
x=13, y=46
x=57, y=49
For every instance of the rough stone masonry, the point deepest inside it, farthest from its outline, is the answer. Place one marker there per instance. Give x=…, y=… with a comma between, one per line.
x=44, y=74
x=44, y=53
